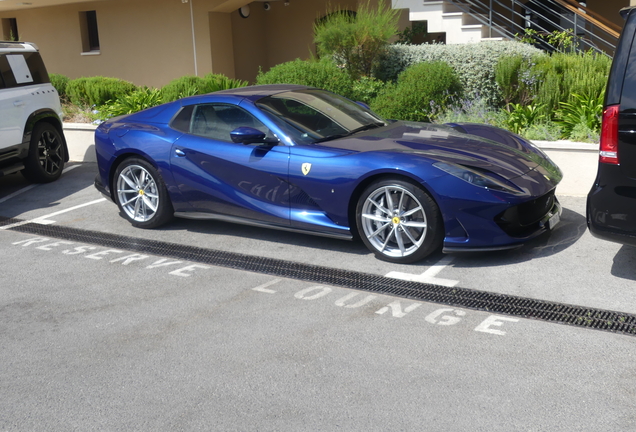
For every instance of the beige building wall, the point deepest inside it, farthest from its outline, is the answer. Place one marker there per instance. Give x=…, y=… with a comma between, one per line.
x=144, y=41
x=150, y=42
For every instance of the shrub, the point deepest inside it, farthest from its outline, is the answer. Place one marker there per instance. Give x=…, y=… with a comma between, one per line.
x=218, y=82
x=60, y=82
x=520, y=117
x=185, y=86
x=90, y=91
x=357, y=40
x=562, y=75
x=583, y=114
x=191, y=85
x=543, y=130
x=322, y=74
x=138, y=100
x=420, y=92
x=366, y=89
x=475, y=64
x=471, y=111
x=516, y=79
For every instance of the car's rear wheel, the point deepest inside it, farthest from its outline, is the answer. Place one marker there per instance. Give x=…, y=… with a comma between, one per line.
x=141, y=194
x=399, y=221
x=45, y=161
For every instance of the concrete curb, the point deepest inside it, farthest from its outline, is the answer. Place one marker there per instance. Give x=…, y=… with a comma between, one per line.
x=578, y=161
x=80, y=139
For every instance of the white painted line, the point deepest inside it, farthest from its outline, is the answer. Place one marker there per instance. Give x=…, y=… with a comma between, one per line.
x=29, y=187
x=68, y=168
x=18, y=192
x=429, y=276
x=263, y=288
x=43, y=220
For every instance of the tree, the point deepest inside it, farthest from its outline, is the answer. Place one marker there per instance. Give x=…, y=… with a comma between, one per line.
x=356, y=40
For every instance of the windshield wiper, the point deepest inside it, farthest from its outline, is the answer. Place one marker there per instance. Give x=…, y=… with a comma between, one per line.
x=367, y=127
x=355, y=131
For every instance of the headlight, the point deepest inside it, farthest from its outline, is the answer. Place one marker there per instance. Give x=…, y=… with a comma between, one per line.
x=478, y=178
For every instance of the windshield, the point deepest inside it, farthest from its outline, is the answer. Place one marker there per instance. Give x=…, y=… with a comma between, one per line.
x=316, y=115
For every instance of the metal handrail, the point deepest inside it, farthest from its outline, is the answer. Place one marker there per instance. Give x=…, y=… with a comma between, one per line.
x=504, y=17
x=599, y=20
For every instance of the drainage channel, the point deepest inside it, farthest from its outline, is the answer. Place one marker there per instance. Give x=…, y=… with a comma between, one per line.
x=561, y=313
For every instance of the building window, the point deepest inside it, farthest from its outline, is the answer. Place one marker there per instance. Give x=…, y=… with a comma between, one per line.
x=10, y=29
x=90, y=35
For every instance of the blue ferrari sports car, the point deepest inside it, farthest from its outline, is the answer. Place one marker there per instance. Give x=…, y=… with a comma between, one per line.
x=307, y=160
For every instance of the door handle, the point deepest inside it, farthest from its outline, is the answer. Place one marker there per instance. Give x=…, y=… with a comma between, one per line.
x=18, y=103
x=179, y=153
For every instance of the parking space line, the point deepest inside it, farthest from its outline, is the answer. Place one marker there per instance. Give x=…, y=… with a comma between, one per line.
x=18, y=192
x=429, y=276
x=31, y=186
x=44, y=220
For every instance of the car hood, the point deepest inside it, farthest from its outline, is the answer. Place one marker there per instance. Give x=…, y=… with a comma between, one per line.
x=509, y=156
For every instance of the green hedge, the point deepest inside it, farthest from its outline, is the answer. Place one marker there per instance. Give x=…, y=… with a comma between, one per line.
x=422, y=90
x=474, y=64
x=561, y=76
x=190, y=85
x=322, y=74
x=60, y=82
x=96, y=91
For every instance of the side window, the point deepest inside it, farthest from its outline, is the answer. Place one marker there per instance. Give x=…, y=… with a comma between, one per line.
x=216, y=121
x=22, y=69
x=37, y=68
x=181, y=121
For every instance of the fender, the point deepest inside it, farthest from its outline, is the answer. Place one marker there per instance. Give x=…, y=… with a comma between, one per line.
x=49, y=116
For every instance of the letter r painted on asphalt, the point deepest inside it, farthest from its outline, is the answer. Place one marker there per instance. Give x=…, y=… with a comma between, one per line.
x=494, y=320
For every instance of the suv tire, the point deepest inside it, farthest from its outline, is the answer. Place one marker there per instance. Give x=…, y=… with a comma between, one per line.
x=46, y=155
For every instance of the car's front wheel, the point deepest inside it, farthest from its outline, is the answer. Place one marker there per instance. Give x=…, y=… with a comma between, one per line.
x=399, y=221
x=141, y=194
x=45, y=161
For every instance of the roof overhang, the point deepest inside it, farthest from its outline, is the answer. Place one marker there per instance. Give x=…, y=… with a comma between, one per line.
x=11, y=5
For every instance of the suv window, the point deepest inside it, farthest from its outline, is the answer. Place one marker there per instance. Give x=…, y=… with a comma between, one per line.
x=20, y=69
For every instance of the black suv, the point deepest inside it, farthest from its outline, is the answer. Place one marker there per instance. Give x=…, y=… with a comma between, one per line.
x=611, y=204
x=31, y=136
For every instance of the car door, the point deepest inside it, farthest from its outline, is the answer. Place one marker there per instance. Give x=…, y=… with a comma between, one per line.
x=13, y=98
x=216, y=175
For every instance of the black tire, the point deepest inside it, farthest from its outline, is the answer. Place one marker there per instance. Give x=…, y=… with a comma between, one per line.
x=141, y=194
x=47, y=154
x=399, y=221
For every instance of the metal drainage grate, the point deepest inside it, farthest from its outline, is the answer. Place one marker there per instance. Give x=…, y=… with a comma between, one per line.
x=460, y=297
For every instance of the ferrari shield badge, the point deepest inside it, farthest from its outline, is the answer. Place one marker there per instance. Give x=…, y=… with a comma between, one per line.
x=306, y=167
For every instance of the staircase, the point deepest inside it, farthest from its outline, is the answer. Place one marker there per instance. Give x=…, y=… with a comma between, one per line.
x=443, y=16
x=472, y=21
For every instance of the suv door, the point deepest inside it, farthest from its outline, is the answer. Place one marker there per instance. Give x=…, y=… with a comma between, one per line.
x=12, y=105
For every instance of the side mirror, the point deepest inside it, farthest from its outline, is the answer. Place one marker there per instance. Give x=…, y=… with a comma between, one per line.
x=249, y=135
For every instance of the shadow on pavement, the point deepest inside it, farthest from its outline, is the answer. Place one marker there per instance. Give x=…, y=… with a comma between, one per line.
x=45, y=195
x=624, y=265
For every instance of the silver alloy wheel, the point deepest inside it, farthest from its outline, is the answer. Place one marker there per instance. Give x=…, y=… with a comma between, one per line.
x=394, y=221
x=137, y=193
x=50, y=153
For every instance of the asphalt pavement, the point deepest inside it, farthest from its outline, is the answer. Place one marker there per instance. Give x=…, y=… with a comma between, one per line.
x=98, y=334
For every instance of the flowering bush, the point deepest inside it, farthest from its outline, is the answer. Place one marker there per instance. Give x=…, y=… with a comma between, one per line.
x=475, y=64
